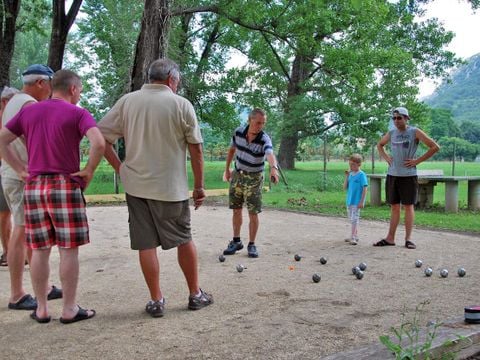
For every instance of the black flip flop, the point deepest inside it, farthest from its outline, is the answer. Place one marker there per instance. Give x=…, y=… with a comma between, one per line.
x=45, y=320
x=410, y=245
x=383, y=242
x=82, y=314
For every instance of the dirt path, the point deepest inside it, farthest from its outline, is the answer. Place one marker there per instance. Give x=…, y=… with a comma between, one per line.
x=272, y=310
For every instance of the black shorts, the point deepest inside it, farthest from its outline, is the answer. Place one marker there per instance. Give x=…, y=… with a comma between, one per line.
x=401, y=190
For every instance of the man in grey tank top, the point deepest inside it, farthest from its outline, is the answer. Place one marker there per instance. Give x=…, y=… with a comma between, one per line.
x=401, y=185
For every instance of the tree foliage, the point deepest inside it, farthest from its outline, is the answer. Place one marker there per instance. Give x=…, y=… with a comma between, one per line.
x=31, y=40
x=442, y=124
x=103, y=50
x=460, y=148
x=339, y=64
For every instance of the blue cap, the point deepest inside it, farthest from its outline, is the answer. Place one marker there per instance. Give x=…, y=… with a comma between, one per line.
x=38, y=69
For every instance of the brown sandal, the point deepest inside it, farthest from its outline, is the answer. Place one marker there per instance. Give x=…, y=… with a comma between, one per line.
x=410, y=245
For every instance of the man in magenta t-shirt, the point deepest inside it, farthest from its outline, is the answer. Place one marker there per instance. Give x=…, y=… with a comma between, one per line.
x=54, y=205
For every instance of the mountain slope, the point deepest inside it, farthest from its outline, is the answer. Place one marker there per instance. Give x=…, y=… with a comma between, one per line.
x=462, y=94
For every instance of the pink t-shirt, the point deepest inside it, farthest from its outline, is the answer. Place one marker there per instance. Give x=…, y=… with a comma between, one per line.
x=53, y=130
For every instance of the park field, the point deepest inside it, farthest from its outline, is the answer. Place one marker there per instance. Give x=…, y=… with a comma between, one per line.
x=311, y=189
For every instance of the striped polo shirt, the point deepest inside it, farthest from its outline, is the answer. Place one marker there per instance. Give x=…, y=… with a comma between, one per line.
x=250, y=156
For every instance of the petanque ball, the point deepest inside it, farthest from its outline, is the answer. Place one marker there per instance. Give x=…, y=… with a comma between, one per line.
x=362, y=266
x=418, y=263
x=221, y=258
x=428, y=271
x=323, y=260
x=240, y=268
x=359, y=274
x=316, y=278
x=444, y=273
x=355, y=269
x=461, y=272
x=297, y=257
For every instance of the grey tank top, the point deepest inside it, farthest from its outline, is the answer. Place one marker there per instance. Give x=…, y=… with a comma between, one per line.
x=403, y=145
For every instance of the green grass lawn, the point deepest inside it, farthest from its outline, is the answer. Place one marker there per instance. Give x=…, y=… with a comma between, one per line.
x=310, y=189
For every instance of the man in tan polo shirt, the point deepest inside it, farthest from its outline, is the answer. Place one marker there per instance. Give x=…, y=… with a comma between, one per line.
x=158, y=127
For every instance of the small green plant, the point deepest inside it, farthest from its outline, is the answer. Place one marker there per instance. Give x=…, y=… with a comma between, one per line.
x=410, y=345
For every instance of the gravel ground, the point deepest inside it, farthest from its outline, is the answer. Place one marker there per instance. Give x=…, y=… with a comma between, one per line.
x=272, y=310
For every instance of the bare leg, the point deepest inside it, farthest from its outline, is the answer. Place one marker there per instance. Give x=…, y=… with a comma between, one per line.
x=394, y=221
x=5, y=229
x=253, y=226
x=409, y=219
x=187, y=259
x=237, y=222
x=40, y=271
x=69, y=272
x=354, y=230
x=151, y=271
x=16, y=262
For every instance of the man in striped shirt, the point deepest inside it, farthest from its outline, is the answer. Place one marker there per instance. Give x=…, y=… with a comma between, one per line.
x=250, y=146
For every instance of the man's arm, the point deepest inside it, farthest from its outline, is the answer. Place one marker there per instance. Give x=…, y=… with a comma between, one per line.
x=112, y=157
x=10, y=156
x=432, y=149
x=272, y=160
x=380, y=147
x=196, y=160
x=227, y=175
x=97, y=148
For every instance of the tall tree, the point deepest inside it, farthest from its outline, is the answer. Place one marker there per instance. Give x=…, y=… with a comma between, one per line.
x=8, y=18
x=152, y=41
x=61, y=23
x=326, y=64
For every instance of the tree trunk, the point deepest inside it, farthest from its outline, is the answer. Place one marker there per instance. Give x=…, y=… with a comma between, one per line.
x=8, y=19
x=288, y=149
x=61, y=24
x=152, y=43
x=289, y=141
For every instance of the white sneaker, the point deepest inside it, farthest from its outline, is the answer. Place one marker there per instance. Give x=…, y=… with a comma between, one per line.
x=354, y=241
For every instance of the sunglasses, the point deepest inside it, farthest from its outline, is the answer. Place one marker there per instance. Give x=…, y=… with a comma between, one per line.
x=397, y=117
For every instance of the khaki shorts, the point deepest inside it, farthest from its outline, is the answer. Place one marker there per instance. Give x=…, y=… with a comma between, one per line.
x=13, y=191
x=3, y=202
x=246, y=187
x=156, y=223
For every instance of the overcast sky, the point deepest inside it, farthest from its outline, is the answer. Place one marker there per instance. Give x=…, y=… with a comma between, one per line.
x=456, y=16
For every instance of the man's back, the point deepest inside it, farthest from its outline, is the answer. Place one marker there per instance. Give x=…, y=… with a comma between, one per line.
x=157, y=126
x=53, y=130
x=13, y=107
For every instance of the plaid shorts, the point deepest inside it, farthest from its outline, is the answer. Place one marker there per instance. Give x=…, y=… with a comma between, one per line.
x=54, y=213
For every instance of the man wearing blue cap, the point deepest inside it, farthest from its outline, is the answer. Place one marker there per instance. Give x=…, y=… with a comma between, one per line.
x=401, y=184
x=36, y=87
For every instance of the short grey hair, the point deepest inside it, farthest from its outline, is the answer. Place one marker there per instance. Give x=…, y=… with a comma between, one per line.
x=160, y=69
x=255, y=112
x=8, y=92
x=31, y=78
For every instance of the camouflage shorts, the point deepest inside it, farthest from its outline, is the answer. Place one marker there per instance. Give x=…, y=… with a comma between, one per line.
x=246, y=188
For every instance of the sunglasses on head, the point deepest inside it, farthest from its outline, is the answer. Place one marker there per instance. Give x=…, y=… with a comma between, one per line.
x=397, y=117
